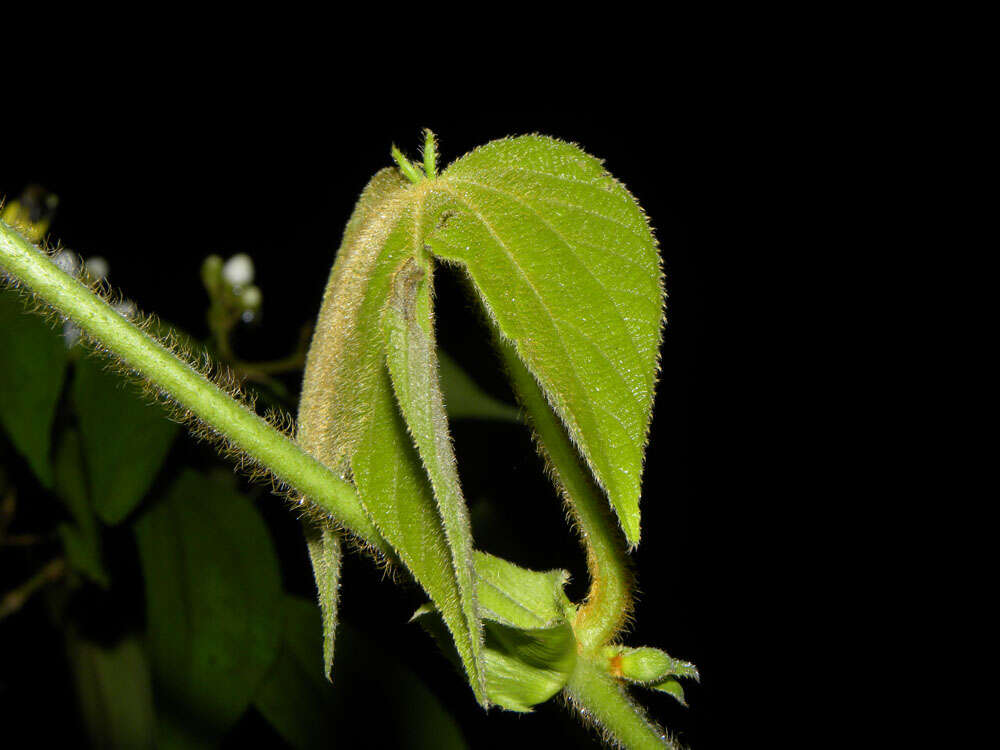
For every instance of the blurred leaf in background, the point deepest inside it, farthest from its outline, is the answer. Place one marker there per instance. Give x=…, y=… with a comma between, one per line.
x=125, y=438
x=116, y=697
x=213, y=603
x=33, y=361
x=373, y=698
x=82, y=538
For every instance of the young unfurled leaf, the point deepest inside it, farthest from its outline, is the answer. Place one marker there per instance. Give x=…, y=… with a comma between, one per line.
x=126, y=438
x=213, y=601
x=32, y=367
x=349, y=418
x=530, y=648
x=520, y=597
x=464, y=399
x=409, y=335
x=568, y=269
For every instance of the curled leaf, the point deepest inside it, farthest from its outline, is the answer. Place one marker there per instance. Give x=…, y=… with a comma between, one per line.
x=349, y=417
x=530, y=648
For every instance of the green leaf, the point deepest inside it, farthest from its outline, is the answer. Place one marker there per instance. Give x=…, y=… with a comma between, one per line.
x=114, y=690
x=81, y=539
x=671, y=687
x=213, y=604
x=527, y=667
x=413, y=368
x=464, y=399
x=294, y=697
x=32, y=367
x=310, y=713
x=126, y=439
x=568, y=269
x=530, y=648
x=348, y=417
x=325, y=554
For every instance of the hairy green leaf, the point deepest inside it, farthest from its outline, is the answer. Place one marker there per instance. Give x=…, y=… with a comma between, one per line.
x=464, y=399
x=32, y=367
x=519, y=597
x=115, y=694
x=409, y=333
x=568, y=269
x=326, y=556
x=126, y=439
x=310, y=713
x=213, y=603
x=349, y=418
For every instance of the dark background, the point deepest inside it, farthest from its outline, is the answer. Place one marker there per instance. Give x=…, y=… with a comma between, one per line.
x=727, y=172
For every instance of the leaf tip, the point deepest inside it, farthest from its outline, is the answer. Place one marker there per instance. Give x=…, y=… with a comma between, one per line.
x=409, y=171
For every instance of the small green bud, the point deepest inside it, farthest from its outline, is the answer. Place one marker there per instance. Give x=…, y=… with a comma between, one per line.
x=646, y=665
x=211, y=274
x=251, y=298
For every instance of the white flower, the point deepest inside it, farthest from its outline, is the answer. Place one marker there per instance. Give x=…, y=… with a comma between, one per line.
x=68, y=261
x=126, y=308
x=97, y=267
x=238, y=270
x=71, y=333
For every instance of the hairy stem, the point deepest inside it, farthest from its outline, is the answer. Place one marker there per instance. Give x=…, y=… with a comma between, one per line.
x=609, y=599
x=604, y=701
x=209, y=403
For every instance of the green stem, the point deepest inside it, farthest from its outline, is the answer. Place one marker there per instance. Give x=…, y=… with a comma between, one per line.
x=140, y=352
x=604, y=701
x=609, y=599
